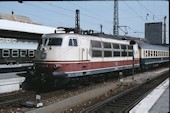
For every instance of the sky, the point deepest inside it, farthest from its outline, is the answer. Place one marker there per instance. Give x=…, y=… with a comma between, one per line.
x=132, y=14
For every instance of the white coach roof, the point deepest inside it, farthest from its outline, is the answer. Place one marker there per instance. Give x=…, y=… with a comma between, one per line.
x=25, y=27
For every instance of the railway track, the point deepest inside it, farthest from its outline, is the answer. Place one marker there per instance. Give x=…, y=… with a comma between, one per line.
x=15, y=99
x=125, y=101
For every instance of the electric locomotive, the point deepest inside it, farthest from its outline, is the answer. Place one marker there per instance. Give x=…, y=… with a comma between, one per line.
x=71, y=56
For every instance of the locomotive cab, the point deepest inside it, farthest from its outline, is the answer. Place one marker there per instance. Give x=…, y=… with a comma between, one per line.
x=53, y=51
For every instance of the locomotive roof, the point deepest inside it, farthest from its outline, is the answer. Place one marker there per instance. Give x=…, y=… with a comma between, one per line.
x=144, y=45
x=53, y=35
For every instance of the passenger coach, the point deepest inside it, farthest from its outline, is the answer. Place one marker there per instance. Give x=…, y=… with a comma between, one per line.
x=14, y=53
x=153, y=55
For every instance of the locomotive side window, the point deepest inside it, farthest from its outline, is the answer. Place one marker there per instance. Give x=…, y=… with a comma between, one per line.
x=107, y=53
x=31, y=53
x=116, y=53
x=5, y=52
x=96, y=53
x=96, y=44
x=123, y=46
x=116, y=46
x=107, y=49
x=124, y=53
x=130, y=47
x=130, y=53
x=23, y=53
x=73, y=42
x=15, y=53
x=55, y=42
x=107, y=45
x=70, y=42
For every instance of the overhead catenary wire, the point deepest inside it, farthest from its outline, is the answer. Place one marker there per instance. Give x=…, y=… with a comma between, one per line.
x=66, y=9
x=60, y=13
x=133, y=11
x=93, y=17
x=148, y=10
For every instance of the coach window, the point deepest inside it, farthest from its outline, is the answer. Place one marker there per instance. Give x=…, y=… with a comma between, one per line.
x=153, y=53
x=5, y=52
x=146, y=53
x=15, y=53
x=55, y=42
x=31, y=53
x=23, y=53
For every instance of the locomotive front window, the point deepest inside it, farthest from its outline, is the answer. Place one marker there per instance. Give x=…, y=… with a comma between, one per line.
x=43, y=41
x=55, y=42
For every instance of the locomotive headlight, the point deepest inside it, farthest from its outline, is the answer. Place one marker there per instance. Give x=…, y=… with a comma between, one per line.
x=57, y=66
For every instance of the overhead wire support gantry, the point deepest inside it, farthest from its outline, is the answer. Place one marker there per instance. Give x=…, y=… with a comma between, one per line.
x=115, y=19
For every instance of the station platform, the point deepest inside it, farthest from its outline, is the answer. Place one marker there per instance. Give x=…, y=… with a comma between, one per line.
x=157, y=101
x=11, y=81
